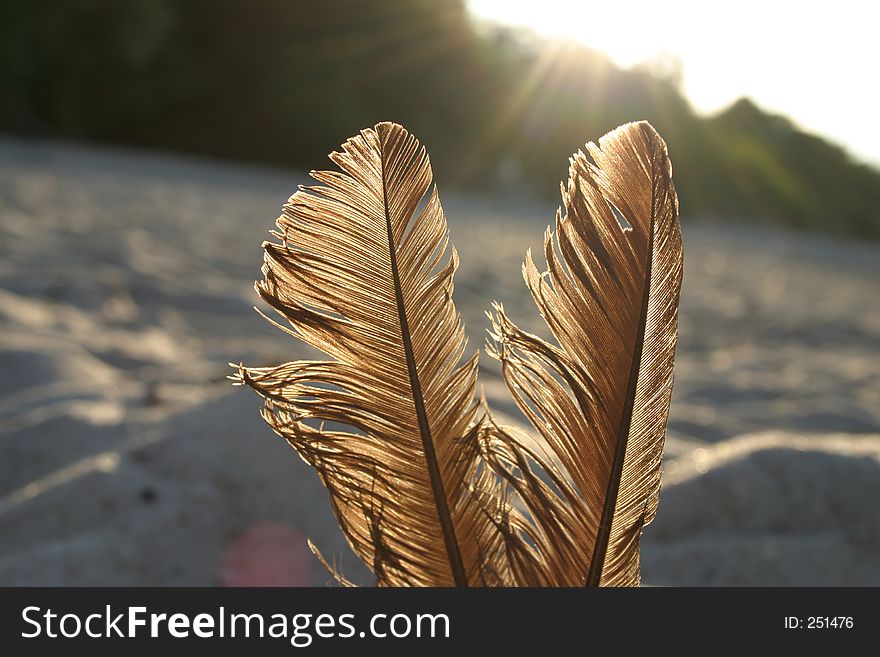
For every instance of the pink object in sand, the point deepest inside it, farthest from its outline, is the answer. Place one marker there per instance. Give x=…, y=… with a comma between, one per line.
x=267, y=554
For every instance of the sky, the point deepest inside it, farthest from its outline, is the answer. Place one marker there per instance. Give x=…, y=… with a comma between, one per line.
x=815, y=62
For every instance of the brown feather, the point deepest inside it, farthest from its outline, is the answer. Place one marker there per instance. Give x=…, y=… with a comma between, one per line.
x=600, y=397
x=365, y=276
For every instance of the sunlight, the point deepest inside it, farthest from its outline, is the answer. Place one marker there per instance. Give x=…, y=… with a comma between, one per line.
x=589, y=23
x=530, y=85
x=810, y=61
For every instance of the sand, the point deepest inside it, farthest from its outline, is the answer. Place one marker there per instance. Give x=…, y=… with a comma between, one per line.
x=127, y=458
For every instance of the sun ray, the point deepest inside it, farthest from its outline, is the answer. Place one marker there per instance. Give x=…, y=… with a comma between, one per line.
x=504, y=124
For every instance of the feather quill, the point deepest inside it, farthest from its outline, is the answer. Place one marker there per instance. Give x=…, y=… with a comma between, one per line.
x=427, y=489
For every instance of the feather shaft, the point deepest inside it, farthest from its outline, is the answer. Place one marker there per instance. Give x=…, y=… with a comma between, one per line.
x=594, y=576
x=453, y=551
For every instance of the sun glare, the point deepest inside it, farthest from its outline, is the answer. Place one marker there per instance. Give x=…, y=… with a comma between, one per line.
x=584, y=22
x=811, y=61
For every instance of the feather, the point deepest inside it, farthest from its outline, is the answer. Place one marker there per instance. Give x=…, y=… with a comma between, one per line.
x=428, y=489
x=599, y=398
x=362, y=270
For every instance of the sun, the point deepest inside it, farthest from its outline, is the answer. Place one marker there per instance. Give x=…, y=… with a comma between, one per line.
x=598, y=25
x=808, y=60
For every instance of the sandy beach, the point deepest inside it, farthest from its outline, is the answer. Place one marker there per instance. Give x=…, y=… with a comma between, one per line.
x=128, y=458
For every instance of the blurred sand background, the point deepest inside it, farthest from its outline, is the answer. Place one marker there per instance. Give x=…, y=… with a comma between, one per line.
x=127, y=458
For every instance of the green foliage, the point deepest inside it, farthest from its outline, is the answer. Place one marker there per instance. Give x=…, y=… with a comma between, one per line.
x=282, y=81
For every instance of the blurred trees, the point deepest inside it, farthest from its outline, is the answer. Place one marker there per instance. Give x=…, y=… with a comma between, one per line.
x=284, y=81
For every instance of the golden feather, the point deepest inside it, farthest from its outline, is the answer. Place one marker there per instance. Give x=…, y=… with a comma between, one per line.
x=599, y=398
x=421, y=483
x=363, y=274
